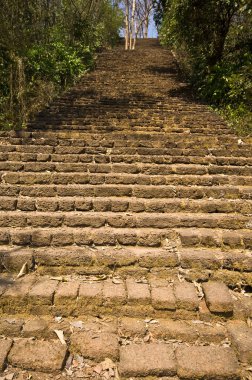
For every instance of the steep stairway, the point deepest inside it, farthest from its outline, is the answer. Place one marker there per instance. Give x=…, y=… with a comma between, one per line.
x=126, y=232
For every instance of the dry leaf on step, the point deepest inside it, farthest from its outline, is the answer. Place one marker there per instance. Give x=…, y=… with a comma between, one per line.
x=24, y=270
x=60, y=335
x=77, y=324
x=117, y=280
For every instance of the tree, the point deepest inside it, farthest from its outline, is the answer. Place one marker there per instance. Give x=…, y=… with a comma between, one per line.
x=137, y=15
x=212, y=40
x=44, y=45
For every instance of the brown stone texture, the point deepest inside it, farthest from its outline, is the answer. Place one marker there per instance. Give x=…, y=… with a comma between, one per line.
x=35, y=328
x=90, y=296
x=163, y=298
x=178, y=330
x=241, y=338
x=11, y=326
x=5, y=346
x=186, y=296
x=132, y=327
x=41, y=294
x=154, y=359
x=65, y=298
x=95, y=345
x=38, y=355
x=205, y=362
x=14, y=298
x=137, y=292
x=218, y=298
x=114, y=292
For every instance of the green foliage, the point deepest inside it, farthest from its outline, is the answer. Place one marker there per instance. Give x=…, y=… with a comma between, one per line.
x=56, y=62
x=213, y=39
x=44, y=46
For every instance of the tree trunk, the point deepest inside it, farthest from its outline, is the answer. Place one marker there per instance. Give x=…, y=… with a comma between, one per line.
x=132, y=25
x=127, y=25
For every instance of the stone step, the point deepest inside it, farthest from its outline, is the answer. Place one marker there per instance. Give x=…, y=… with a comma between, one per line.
x=41, y=163
x=143, y=139
x=162, y=141
x=126, y=347
x=198, y=264
x=68, y=236
x=136, y=191
x=32, y=219
x=196, y=237
x=146, y=237
x=52, y=178
x=114, y=152
x=101, y=158
x=74, y=295
x=125, y=204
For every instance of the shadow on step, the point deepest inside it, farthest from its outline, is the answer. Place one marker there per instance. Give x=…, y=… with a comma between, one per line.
x=89, y=107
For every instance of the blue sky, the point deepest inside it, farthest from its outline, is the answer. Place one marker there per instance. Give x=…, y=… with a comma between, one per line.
x=152, y=29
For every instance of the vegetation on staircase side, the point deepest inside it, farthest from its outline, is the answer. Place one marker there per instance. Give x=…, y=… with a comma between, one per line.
x=44, y=46
x=213, y=43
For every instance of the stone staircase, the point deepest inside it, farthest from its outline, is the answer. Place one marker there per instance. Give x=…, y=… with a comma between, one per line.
x=128, y=206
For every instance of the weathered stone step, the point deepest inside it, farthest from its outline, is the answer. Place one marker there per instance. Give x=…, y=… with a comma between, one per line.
x=137, y=191
x=53, y=178
x=105, y=206
x=146, y=237
x=79, y=295
x=125, y=151
x=125, y=204
x=158, y=141
x=197, y=264
x=41, y=163
x=68, y=236
x=52, y=159
x=196, y=237
x=125, y=347
x=121, y=220
x=143, y=139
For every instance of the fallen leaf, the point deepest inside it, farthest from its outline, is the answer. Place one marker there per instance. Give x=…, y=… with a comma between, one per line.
x=107, y=364
x=249, y=322
x=147, y=338
x=98, y=369
x=111, y=372
x=142, y=281
x=199, y=289
x=79, y=359
x=10, y=376
x=202, y=323
x=77, y=324
x=117, y=280
x=60, y=335
x=105, y=376
x=24, y=270
x=69, y=372
x=181, y=278
x=151, y=320
x=69, y=361
x=60, y=278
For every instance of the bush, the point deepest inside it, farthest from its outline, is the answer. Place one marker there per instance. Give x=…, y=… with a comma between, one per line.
x=45, y=46
x=57, y=62
x=213, y=42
